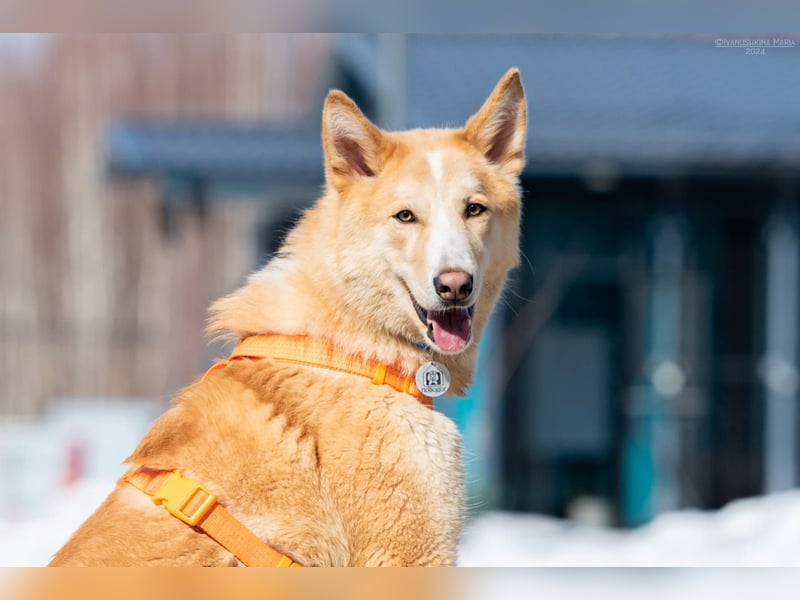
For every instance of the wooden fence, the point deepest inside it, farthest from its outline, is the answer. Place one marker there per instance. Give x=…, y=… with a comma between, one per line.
x=93, y=300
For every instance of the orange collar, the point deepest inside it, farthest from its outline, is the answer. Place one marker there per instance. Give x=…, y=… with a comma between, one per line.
x=315, y=352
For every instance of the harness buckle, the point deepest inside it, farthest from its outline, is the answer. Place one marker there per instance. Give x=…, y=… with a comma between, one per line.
x=185, y=498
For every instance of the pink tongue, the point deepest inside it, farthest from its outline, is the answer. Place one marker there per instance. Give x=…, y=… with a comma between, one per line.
x=451, y=329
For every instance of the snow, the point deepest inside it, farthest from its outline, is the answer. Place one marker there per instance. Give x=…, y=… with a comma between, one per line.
x=763, y=531
x=32, y=542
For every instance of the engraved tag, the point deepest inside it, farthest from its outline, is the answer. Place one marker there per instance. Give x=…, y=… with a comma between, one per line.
x=433, y=379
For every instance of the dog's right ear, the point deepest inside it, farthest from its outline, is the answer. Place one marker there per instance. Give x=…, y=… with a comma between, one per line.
x=352, y=144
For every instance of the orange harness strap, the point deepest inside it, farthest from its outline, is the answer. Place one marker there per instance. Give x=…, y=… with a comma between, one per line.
x=315, y=352
x=193, y=503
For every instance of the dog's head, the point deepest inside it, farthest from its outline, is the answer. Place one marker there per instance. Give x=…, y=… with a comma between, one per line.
x=428, y=220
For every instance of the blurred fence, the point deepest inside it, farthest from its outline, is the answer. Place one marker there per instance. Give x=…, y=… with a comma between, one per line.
x=94, y=301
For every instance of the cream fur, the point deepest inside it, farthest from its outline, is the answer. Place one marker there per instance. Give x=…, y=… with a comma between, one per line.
x=329, y=468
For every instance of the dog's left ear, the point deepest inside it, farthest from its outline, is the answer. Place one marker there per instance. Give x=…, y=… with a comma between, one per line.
x=353, y=146
x=498, y=129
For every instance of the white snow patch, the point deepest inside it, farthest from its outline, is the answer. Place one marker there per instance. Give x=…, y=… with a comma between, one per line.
x=763, y=531
x=32, y=543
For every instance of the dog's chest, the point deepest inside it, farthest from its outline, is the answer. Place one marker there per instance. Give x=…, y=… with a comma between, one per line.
x=374, y=476
x=433, y=448
x=403, y=489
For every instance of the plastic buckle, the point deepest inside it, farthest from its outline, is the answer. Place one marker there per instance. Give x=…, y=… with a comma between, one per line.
x=285, y=561
x=178, y=492
x=380, y=374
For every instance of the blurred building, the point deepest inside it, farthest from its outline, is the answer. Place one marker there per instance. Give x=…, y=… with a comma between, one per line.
x=94, y=300
x=650, y=337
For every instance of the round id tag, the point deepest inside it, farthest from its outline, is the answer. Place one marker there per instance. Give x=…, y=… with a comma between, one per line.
x=433, y=379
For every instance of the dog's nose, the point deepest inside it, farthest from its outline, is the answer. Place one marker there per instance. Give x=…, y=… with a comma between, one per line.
x=453, y=286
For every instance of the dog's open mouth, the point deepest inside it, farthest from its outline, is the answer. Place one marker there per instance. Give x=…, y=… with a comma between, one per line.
x=449, y=329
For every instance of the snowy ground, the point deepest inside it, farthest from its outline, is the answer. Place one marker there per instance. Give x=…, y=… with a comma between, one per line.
x=761, y=531
x=32, y=542
x=754, y=532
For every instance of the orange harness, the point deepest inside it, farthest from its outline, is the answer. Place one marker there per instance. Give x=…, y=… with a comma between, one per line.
x=193, y=503
x=196, y=505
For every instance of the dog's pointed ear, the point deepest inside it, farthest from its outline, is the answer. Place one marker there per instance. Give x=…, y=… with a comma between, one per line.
x=498, y=129
x=352, y=144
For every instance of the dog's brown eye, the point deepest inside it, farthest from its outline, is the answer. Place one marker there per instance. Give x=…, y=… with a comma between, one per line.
x=474, y=209
x=405, y=216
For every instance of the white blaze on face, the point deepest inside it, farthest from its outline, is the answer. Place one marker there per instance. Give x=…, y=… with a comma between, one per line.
x=447, y=248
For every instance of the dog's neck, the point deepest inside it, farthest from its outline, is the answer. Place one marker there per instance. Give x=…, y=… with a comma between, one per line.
x=293, y=296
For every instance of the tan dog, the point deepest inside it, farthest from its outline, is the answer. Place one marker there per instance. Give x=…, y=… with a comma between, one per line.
x=401, y=261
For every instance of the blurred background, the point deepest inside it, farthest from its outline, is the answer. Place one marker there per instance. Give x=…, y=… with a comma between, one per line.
x=644, y=359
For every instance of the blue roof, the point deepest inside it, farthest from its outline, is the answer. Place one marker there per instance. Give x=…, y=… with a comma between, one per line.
x=646, y=103
x=224, y=151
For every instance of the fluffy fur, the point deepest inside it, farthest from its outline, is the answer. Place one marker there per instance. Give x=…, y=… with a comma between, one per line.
x=327, y=467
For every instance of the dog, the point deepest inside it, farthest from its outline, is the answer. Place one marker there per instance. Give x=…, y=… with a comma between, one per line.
x=398, y=264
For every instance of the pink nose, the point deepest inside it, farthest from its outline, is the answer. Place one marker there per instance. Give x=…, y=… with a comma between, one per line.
x=453, y=286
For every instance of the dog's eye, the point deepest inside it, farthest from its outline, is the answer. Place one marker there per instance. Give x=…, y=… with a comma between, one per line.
x=474, y=209
x=405, y=216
